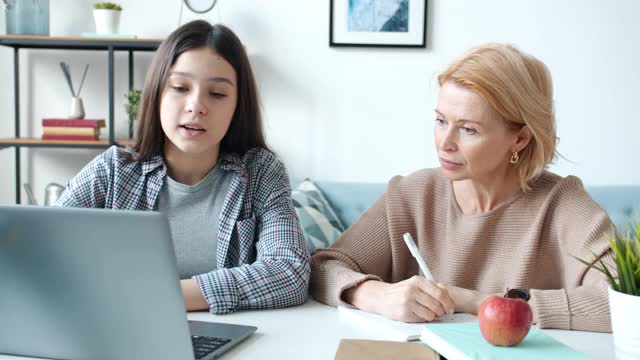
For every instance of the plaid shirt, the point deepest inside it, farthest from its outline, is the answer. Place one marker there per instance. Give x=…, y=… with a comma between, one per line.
x=263, y=259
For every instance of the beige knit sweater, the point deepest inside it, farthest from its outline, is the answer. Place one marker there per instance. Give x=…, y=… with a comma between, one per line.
x=528, y=243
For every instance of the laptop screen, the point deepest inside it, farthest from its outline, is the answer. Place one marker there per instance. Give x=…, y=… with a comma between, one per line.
x=89, y=283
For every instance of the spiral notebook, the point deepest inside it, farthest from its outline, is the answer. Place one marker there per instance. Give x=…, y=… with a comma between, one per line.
x=464, y=341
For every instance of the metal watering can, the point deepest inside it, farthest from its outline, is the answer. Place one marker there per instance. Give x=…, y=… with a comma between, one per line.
x=51, y=194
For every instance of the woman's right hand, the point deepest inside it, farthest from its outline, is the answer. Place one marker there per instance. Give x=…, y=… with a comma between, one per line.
x=413, y=300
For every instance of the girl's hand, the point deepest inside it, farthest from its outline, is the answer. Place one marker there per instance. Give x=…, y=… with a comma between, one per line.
x=193, y=299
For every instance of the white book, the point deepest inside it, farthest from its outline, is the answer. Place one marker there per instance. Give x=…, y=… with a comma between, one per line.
x=394, y=330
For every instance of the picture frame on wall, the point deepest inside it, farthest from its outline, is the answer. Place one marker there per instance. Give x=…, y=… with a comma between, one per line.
x=378, y=23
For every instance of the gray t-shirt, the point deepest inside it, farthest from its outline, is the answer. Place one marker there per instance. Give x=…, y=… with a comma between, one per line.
x=194, y=212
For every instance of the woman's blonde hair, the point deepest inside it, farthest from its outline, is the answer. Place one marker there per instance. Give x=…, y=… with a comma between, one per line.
x=518, y=86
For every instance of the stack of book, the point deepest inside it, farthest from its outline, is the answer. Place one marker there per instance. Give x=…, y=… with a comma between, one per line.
x=72, y=129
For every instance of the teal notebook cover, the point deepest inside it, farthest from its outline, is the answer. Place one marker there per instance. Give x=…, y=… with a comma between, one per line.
x=464, y=341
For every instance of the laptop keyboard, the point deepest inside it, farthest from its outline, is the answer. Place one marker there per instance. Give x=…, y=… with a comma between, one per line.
x=205, y=345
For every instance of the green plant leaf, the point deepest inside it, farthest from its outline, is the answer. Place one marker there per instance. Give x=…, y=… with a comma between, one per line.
x=629, y=262
x=107, y=6
x=610, y=278
x=132, y=104
x=625, y=253
x=620, y=267
x=602, y=268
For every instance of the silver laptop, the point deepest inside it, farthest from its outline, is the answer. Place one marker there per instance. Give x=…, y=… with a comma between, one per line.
x=97, y=284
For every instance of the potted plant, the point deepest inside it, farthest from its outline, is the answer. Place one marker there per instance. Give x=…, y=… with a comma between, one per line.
x=624, y=291
x=131, y=107
x=107, y=17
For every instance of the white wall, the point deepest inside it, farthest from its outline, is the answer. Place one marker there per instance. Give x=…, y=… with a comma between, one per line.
x=353, y=114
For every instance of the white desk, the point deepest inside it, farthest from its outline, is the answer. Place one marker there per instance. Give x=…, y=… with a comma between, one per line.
x=313, y=331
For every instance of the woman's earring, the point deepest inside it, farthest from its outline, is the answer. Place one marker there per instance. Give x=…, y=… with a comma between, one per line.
x=514, y=158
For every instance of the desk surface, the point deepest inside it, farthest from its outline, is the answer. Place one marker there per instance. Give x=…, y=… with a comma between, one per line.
x=313, y=331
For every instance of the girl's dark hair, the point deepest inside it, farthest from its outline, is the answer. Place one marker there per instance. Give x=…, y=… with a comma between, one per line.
x=245, y=130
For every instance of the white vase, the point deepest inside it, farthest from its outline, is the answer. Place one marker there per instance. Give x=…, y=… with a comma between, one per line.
x=625, y=317
x=107, y=21
x=76, y=110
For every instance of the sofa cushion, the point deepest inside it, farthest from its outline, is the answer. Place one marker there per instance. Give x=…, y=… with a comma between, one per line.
x=320, y=224
x=351, y=199
x=621, y=202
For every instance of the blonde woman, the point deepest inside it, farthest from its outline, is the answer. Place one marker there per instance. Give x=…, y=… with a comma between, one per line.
x=489, y=218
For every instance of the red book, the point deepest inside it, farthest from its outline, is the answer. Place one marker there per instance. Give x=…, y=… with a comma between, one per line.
x=69, y=137
x=95, y=123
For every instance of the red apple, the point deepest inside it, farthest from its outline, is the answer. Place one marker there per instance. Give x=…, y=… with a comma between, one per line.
x=504, y=321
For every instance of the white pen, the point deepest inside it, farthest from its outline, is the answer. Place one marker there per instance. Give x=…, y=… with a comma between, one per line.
x=413, y=249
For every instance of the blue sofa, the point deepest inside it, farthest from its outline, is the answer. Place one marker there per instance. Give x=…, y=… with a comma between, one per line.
x=350, y=200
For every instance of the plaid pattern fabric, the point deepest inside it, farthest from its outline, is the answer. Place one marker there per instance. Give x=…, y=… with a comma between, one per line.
x=262, y=257
x=320, y=224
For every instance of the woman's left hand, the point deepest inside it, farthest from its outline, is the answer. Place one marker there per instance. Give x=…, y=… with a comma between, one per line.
x=466, y=300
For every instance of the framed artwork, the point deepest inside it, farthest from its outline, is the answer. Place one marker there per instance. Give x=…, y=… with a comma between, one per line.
x=378, y=23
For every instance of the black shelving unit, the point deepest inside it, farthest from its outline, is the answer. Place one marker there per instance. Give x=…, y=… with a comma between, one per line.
x=110, y=45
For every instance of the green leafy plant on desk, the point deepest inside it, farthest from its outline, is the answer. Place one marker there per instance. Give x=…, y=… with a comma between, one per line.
x=107, y=6
x=131, y=106
x=624, y=290
x=626, y=256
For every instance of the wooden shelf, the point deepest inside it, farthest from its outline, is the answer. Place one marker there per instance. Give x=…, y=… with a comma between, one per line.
x=33, y=142
x=78, y=42
x=108, y=45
